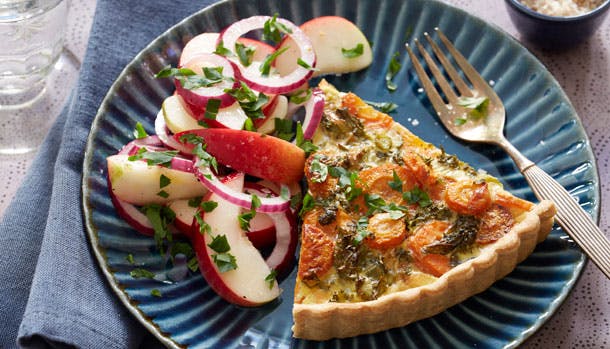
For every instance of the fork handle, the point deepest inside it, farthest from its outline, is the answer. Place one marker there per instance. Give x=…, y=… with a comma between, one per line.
x=576, y=222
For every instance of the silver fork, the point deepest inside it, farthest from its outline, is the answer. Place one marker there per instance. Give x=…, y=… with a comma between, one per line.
x=490, y=129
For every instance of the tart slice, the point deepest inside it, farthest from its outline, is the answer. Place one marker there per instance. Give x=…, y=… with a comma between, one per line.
x=395, y=229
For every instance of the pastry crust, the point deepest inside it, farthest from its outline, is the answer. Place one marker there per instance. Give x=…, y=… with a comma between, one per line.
x=495, y=260
x=336, y=320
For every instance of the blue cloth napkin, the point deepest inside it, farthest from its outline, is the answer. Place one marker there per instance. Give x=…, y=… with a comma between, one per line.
x=52, y=293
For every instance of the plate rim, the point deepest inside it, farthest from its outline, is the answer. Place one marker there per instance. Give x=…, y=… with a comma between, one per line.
x=166, y=339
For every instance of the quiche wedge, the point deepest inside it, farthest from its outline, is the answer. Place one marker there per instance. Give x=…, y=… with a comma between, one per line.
x=394, y=229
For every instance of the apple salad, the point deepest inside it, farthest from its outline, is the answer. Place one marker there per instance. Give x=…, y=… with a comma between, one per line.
x=224, y=167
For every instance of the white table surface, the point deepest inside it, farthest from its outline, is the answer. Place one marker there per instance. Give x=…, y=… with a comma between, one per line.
x=583, y=321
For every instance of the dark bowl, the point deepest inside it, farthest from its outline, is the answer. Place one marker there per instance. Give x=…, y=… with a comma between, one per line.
x=553, y=32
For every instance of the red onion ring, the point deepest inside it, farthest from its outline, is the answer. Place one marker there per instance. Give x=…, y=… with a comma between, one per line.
x=314, y=108
x=202, y=43
x=282, y=255
x=163, y=134
x=151, y=143
x=251, y=74
x=199, y=97
x=182, y=164
x=213, y=184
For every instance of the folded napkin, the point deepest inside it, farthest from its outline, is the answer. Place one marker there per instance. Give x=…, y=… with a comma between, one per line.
x=52, y=293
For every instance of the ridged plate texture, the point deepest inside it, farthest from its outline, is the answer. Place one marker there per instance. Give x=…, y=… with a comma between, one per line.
x=541, y=122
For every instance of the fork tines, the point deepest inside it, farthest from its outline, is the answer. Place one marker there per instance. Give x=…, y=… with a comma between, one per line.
x=452, y=98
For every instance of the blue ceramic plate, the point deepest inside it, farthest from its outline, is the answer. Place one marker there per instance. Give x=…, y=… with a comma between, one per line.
x=541, y=122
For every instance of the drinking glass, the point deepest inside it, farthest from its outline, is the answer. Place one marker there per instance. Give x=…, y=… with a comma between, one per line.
x=31, y=45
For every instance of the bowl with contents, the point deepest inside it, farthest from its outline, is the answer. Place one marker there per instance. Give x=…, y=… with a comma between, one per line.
x=557, y=24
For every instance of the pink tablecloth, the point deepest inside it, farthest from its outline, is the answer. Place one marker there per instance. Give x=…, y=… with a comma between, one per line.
x=582, y=321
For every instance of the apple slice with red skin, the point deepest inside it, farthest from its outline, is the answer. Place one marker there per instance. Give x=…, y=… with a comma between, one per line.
x=329, y=35
x=262, y=231
x=140, y=222
x=131, y=214
x=256, y=154
x=138, y=183
x=246, y=285
x=262, y=228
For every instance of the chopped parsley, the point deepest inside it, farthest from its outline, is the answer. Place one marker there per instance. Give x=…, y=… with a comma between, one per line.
x=283, y=129
x=204, y=157
x=129, y=258
x=160, y=217
x=220, y=244
x=208, y=206
x=273, y=30
x=393, y=69
x=417, y=196
x=285, y=193
x=384, y=107
x=245, y=218
x=318, y=170
x=155, y=292
x=347, y=181
x=139, y=131
x=141, y=273
x=204, y=227
x=169, y=71
x=362, y=231
x=251, y=102
x=182, y=248
x=477, y=107
x=249, y=125
x=256, y=202
x=191, y=80
x=396, y=182
x=191, y=138
x=353, y=52
x=244, y=53
x=164, y=181
x=271, y=278
x=222, y=258
x=185, y=249
x=193, y=264
x=221, y=50
x=300, y=96
x=265, y=67
x=295, y=200
x=304, y=64
x=224, y=261
x=161, y=158
x=195, y=202
x=459, y=121
x=211, y=108
x=308, y=204
x=375, y=203
x=302, y=143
